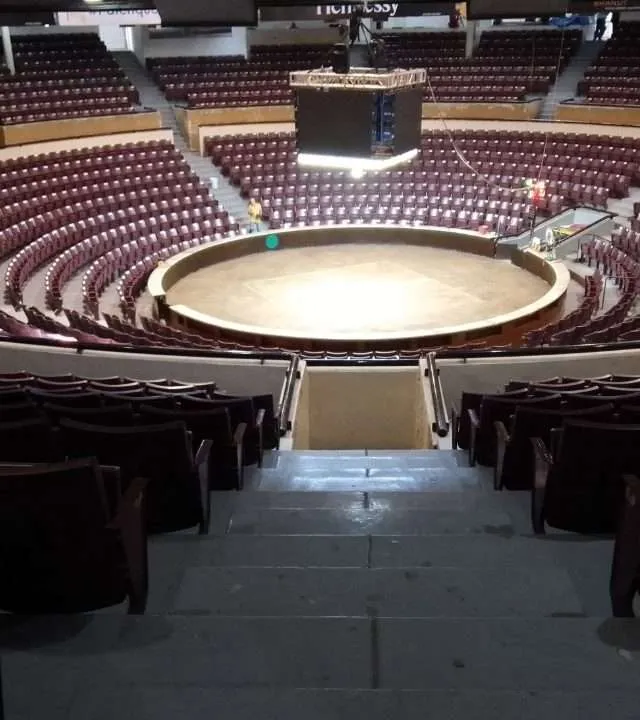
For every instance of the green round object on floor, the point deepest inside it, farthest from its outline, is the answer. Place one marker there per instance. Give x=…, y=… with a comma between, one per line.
x=272, y=242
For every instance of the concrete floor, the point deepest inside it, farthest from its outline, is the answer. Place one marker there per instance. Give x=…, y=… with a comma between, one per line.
x=320, y=594
x=357, y=290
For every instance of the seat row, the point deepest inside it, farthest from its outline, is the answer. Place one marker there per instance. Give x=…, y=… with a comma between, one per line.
x=151, y=194
x=50, y=82
x=612, y=78
x=90, y=467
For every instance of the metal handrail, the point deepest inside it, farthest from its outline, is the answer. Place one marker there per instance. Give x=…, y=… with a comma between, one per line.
x=286, y=396
x=441, y=423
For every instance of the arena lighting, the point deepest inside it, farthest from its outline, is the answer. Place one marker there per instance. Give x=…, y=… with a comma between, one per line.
x=357, y=165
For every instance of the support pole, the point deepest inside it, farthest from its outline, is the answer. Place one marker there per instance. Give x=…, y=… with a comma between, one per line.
x=8, y=50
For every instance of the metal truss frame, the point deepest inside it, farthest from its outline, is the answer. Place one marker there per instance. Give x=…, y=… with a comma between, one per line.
x=364, y=79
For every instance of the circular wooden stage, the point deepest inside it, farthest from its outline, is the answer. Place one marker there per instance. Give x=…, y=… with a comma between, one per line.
x=354, y=286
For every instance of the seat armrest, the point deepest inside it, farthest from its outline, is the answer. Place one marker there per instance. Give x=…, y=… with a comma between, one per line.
x=201, y=463
x=625, y=568
x=129, y=522
x=238, y=440
x=474, y=423
x=260, y=426
x=542, y=463
x=502, y=440
x=455, y=420
x=554, y=442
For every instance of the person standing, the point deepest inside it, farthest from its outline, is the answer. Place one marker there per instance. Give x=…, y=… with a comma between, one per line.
x=601, y=25
x=255, y=215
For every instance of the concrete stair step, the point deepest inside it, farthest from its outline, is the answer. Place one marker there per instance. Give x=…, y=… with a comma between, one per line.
x=96, y=660
x=202, y=703
x=406, y=482
x=506, y=591
x=497, y=548
x=352, y=502
x=359, y=521
x=362, y=459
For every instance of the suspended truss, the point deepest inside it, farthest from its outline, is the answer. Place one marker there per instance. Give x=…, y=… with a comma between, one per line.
x=357, y=79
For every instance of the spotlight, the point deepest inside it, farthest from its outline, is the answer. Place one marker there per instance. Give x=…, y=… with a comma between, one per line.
x=339, y=59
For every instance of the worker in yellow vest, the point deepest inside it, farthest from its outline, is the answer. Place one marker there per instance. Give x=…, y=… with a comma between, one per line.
x=255, y=215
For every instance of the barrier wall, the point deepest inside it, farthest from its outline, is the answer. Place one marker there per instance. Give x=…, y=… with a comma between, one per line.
x=452, y=124
x=257, y=114
x=599, y=114
x=508, y=326
x=482, y=111
x=236, y=376
x=34, y=132
x=214, y=117
x=342, y=408
x=491, y=374
x=38, y=148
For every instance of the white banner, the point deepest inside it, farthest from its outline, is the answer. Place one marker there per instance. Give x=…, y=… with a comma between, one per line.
x=109, y=17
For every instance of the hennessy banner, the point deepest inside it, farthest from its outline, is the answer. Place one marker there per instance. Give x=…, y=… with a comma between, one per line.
x=339, y=12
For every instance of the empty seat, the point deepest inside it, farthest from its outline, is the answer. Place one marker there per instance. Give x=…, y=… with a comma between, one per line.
x=71, y=542
x=225, y=461
x=30, y=441
x=579, y=487
x=177, y=494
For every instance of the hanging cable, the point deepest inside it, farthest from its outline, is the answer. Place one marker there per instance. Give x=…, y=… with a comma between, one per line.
x=452, y=140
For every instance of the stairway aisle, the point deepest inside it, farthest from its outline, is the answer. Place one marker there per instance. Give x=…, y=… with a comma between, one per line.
x=345, y=585
x=567, y=84
x=151, y=96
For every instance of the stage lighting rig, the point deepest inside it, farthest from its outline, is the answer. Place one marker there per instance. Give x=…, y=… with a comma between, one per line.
x=339, y=58
x=363, y=120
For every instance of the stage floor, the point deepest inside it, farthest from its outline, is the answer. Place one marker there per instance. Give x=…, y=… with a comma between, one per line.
x=348, y=291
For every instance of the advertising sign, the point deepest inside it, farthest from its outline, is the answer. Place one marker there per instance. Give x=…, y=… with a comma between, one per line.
x=341, y=11
x=109, y=17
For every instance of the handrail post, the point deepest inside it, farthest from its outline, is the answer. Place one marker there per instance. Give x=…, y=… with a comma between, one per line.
x=441, y=422
x=286, y=396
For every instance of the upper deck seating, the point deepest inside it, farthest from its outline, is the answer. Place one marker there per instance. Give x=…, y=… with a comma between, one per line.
x=505, y=67
x=613, y=79
x=63, y=76
x=262, y=79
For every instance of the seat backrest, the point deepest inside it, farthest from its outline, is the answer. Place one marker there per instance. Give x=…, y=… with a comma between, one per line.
x=240, y=409
x=260, y=402
x=136, y=400
x=57, y=549
x=532, y=421
x=203, y=424
x=19, y=411
x=13, y=396
x=501, y=407
x=116, y=415
x=80, y=399
x=31, y=441
x=629, y=414
x=584, y=488
x=160, y=453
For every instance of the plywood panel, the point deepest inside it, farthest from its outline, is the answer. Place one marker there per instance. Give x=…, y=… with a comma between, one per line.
x=349, y=409
x=79, y=127
x=482, y=111
x=233, y=116
x=599, y=114
x=16, y=151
